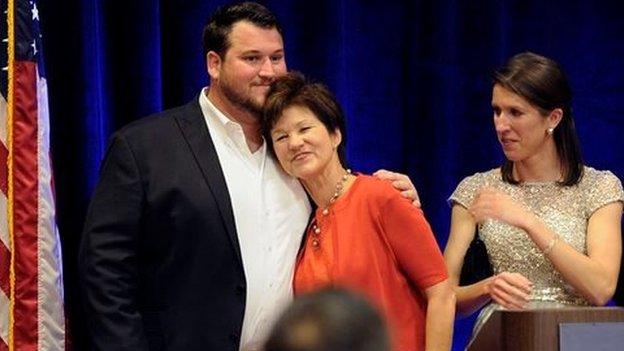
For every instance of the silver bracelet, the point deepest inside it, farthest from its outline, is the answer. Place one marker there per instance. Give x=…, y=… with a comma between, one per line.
x=551, y=245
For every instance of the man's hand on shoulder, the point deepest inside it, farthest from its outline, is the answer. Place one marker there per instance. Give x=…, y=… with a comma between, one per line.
x=402, y=183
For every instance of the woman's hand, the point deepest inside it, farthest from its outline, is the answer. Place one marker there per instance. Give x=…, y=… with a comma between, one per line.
x=491, y=203
x=510, y=290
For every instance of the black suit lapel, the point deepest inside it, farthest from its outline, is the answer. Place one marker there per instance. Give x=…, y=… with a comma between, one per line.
x=195, y=132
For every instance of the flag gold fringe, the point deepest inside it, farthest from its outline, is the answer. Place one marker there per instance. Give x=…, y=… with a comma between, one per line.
x=10, y=104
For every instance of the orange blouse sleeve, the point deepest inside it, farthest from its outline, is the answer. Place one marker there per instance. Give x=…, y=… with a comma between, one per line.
x=412, y=242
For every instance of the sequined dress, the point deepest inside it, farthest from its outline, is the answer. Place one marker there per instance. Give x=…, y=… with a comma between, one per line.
x=564, y=209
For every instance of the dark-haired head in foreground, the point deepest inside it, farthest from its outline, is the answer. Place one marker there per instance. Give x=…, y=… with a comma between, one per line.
x=330, y=319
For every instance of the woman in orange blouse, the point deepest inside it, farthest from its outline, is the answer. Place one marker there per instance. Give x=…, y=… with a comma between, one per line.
x=364, y=236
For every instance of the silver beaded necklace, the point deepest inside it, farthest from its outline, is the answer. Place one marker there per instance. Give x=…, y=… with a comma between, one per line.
x=315, y=226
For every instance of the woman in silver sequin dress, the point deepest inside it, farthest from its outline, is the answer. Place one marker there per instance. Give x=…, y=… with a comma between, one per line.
x=551, y=225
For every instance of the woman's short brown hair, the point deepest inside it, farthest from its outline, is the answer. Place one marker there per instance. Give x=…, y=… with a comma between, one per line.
x=293, y=89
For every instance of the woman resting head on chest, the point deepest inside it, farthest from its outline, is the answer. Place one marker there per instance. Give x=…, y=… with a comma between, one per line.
x=551, y=225
x=364, y=236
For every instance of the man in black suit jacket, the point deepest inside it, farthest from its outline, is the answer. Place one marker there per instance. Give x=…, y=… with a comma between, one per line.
x=161, y=257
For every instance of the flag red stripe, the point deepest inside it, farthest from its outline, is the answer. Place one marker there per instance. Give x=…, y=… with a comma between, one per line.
x=4, y=154
x=25, y=206
x=3, y=345
x=5, y=261
x=5, y=253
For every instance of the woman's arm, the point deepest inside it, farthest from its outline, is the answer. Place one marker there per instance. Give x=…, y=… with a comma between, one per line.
x=440, y=316
x=418, y=256
x=510, y=290
x=593, y=275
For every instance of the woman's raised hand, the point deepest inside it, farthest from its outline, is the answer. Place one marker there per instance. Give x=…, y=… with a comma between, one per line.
x=491, y=203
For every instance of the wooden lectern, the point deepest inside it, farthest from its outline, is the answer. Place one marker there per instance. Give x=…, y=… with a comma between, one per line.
x=536, y=329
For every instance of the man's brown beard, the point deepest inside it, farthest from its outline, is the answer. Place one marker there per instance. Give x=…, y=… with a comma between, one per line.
x=247, y=104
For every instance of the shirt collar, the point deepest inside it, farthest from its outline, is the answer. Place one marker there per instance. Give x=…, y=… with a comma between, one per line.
x=209, y=109
x=225, y=126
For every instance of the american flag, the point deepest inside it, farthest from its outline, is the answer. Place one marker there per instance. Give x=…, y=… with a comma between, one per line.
x=31, y=290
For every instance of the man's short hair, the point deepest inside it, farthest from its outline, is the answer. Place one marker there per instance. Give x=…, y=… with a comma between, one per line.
x=217, y=30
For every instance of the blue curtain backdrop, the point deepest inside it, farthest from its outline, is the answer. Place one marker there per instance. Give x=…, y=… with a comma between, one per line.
x=413, y=77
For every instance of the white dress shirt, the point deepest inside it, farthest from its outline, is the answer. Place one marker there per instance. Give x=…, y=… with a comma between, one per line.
x=271, y=210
